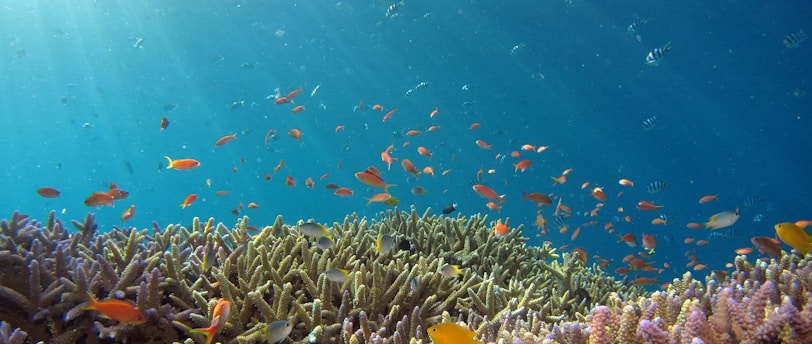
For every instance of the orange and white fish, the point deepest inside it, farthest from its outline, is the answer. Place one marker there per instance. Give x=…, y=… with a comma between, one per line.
x=387, y=158
x=500, y=229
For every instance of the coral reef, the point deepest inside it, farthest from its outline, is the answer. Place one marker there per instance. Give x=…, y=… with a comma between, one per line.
x=507, y=292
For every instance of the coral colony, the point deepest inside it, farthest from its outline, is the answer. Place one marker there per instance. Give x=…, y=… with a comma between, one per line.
x=277, y=282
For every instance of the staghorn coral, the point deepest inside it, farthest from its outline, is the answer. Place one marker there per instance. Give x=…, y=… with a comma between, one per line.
x=175, y=275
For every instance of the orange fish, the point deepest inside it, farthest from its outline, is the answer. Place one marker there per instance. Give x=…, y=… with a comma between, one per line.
x=408, y=166
x=658, y=221
x=389, y=114
x=377, y=107
x=295, y=133
x=488, y=193
x=98, y=199
x=48, y=192
x=270, y=134
x=708, y=198
x=373, y=180
x=493, y=206
x=689, y=241
x=423, y=151
x=701, y=242
x=293, y=94
x=182, y=164
x=222, y=193
x=413, y=132
x=528, y=147
x=281, y=100
x=599, y=194
x=648, y=206
x=560, y=180
x=522, y=165
x=120, y=310
x=289, y=181
x=339, y=128
x=483, y=144
x=223, y=140
x=744, y=250
x=515, y=154
x=575, y=233
x=164, y=123
x=309, y=182
x=626, y=182
x=252, y=205
x=332, y=186
x=324, y=176
x=629, y=239
x=541, y=149
x=381, y=197
x=433, y=128
x=343, y=192
x=694, y=225
x=540, y=198
x=128, y=214
x=428, y=170
x=297, y=109
x=649, y=243
x=387, y=158
x=188, y=201
x=279, y=165
x=219, y=316
x=433, y=113
x=500, y=229
x=474, y=125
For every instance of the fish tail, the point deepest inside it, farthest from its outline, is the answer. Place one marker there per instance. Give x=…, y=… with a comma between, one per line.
x=207, y=332
x=387, y=186
x=92, y=302
x=170, y=162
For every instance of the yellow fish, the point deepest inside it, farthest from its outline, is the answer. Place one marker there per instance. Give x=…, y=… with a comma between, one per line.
x=795, y=236
x=451, y=333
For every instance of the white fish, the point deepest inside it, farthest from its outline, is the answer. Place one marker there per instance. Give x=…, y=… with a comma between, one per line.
x=277, y=331
x=313, y=93
x=722, y=220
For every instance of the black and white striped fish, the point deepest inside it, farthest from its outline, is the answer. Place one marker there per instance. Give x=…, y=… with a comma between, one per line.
x=655, y=186
x=635, y=25
x=794, y=39
x=393, y=8
x=726, y=233
x=419, y=86
x=657, y=54
x=650, y=122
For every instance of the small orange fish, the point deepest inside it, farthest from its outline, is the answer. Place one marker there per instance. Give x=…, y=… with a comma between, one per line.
x=381, y=197
x=372, y=179
x=408, y=166
x=708, y=198
x=433, y=128
x=182, y=164
x=648, y=206
x=324, y=176
x=500, y=229
x=48, y=192
x=658, y=221
x=701, y=242
x=339, y=128
x=343, y=192
x=488, y=193
x=428, y=170
x=744, y=250
x=164, y=123
x=423, y=151
x=295, y=133
x=694, y=225
x=385, y=157
x=309, y=182
x=252, y=205
x=222, y=193
x=483, y=144
x=433, y=113
x=219, y=316
x=522, y=165
x=698, y=267
x=188, y=201
x=377, y=107
x=389, y=114
x=281, y=100
x=413, y=132
x=120, y=310
x=279, y=165
x=297, y=109
x=474, y=125
x=223, y=140
x=541, y=149
x=270, y=134
x=689, y=241
x=575, y=234
x=289, y=181
x=528, y=147
x=128, y=214
x=599, y=194
x=493, y=206
x=625, y=182
x=560, y=180
x=293, y=94
x=516, y=154
x=98, y=199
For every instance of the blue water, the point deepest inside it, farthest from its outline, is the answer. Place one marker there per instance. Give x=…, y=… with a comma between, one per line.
x=81, y=104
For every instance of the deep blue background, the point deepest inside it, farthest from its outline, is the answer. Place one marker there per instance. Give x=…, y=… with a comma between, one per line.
x=730, y=121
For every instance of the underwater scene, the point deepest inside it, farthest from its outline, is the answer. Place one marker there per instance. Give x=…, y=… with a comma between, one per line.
x=450, y=172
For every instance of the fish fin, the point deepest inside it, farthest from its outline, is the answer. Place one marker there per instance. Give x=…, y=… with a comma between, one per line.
x=170, y=162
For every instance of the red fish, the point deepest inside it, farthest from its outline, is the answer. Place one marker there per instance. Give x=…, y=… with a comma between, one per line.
x=649, y=243
x=373, y=179
x=48, y=192
x=128, y=214
x=522, y=165
x=488, y=193
x=343, y=192
x=297, y=109
x=164, y=123
x=98, y=199
x=293, y=94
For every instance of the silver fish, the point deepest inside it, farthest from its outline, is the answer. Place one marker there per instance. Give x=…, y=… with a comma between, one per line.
x=277, y=331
